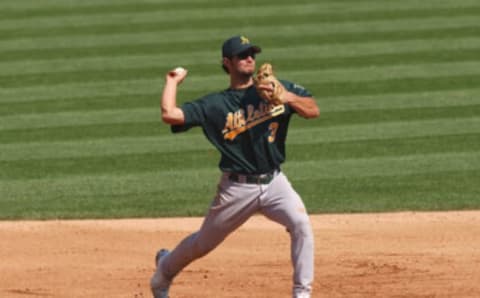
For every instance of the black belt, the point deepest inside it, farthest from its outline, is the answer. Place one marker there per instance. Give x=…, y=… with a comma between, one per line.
x=253, y=179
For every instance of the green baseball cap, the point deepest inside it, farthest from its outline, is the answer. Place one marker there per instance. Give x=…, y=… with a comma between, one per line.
x=237, y=44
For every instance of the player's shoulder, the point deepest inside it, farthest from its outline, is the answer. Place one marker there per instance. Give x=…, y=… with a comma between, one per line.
x=209, y=102
x=207, y=97
x=213, y=98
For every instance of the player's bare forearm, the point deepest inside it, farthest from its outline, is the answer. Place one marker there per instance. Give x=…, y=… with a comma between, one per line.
x=171, y=113
x=306, y=107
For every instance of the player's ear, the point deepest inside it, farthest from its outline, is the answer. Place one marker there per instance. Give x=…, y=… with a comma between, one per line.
x=226, y=64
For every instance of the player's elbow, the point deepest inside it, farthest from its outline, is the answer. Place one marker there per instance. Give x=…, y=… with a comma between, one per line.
x=168, y=119
x=173, y=117
x=311, y=113
x=309, y=108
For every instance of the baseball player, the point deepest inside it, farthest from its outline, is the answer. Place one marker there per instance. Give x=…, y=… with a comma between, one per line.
x=249, y=130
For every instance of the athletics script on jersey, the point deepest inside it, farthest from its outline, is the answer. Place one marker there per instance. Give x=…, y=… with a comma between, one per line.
x=236, y=122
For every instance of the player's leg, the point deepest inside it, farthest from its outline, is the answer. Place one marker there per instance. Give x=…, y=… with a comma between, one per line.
x=233, y=204
x=282, y=204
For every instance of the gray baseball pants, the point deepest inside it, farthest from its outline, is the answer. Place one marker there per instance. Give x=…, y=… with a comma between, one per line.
x=233, y=205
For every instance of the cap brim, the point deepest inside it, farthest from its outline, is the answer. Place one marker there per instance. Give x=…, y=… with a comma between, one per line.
x=256, y=49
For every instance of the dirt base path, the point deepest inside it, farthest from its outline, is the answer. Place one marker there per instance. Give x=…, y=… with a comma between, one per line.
x=367, y=255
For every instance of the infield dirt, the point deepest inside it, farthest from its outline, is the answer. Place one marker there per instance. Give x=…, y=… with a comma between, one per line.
x=363, y=255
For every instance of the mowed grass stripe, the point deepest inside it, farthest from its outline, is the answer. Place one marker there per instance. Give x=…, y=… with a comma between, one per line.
x=10, y=70
x=226, y=18
x=432, y=99
x=80, y=118
x=88, y=103
x=101, y=185
x=380, y=73
x=119, y=89
x=63, y=58
x=300, y=72
x=11, y=6
x=202, y=158
x=29, y=10
x=428, y=191
x=311, y=134
x=393, y=86
x=80, y=123
x=452, y=190
x=157, y=180
x=180, y=53
x=386, y=166
x=379, y=60
x=334, y=89
x=164, y=143
x=384, y=131
x=191, y=90
x=94, y=104
x=181, y=17
x=210, y=38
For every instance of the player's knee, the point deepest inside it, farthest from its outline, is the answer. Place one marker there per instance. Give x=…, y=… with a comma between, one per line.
x=301, y=228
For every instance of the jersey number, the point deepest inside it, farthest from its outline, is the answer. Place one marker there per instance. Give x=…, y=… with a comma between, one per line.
x=273, y=127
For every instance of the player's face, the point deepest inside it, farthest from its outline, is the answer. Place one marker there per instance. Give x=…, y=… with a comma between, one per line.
x=244, y=63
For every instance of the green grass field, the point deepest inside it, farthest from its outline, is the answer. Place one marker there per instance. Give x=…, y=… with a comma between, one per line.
x=398, y=84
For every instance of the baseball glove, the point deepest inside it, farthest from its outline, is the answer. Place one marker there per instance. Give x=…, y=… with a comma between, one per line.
x=267, y=85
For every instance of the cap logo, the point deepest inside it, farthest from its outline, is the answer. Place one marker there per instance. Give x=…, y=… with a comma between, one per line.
x=244, y=40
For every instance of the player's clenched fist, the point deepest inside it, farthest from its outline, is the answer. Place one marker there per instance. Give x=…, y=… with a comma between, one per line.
x=177, y=75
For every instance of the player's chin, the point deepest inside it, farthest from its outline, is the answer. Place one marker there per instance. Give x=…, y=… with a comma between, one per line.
x=248, y=71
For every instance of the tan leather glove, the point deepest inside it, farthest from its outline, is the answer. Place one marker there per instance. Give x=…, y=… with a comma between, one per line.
x=268, y=86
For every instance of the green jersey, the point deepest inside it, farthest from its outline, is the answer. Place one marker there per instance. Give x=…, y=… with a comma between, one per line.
x=249, y=133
